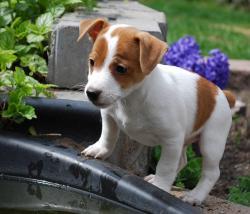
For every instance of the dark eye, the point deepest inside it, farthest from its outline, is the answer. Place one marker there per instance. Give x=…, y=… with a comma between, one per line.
x=91, y=62
x=120, y=69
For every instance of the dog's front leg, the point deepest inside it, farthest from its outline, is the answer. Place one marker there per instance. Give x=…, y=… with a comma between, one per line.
x=104, y=147
x=167, y=166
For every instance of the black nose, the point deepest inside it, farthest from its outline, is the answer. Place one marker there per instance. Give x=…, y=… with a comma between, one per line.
x=93, y=94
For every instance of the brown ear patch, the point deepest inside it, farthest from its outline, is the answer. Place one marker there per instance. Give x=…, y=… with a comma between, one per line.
x=206, y=100
x=93, y=27
x=99, y=52
x=127, y=55
x=151, y=51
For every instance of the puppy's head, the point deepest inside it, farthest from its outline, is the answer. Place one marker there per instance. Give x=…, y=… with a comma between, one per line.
x=120, y=59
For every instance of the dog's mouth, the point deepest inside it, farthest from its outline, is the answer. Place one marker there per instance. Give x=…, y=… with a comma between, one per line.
x=104, y=100
x=101, y=105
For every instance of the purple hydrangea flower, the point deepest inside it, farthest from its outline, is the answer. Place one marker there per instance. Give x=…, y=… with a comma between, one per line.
x=185, y=53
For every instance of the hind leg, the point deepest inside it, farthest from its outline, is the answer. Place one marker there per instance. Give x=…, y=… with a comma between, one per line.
x=212, y=145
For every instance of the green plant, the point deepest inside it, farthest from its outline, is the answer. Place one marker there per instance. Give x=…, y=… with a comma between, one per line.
x=241, y=192
x=20, y=86
x=24, y=33
x=189, y=176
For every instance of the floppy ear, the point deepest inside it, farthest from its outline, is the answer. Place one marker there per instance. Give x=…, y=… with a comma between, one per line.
x=92, y=27
x=151, y=51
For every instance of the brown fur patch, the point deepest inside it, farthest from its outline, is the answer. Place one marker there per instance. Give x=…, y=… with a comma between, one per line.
x=127, y=55
x=99, y=52
x=130, y=46
x=230, y=98
x=206, y=100
x=93, y=27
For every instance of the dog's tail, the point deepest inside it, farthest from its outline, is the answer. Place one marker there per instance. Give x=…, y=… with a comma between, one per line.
x=230, y=98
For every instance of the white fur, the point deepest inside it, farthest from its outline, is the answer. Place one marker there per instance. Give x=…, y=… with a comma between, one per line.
x=102, y=79
x=161, y=110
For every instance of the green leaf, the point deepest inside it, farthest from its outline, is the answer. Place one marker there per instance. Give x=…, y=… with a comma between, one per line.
x=35, y=63
x=89, y=4
x=5, y=16
x=10, y=111
x=190, y=174
x=27, y=111
x=157, y=153
x=45, y=19
x=23, y=49
x=19, y=76
x=39, y=30
x=16, y=22
x=7, y=57
x=22, y=30
x=7, y=40
x=16, y=97
x=6, y=79
x=19, y=112
x=57, y=10
x=72, y=2
x=32, y=38
x=42, y=89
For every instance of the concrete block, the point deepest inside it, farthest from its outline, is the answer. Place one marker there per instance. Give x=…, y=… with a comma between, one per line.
x=68, y=59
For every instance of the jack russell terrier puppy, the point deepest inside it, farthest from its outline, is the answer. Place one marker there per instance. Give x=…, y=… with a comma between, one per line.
x=154, y=104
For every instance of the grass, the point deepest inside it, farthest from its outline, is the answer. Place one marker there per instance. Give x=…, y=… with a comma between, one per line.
x=241, y=192
x=213, y=25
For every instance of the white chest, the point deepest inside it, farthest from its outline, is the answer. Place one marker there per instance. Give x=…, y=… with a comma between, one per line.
x=138, y=124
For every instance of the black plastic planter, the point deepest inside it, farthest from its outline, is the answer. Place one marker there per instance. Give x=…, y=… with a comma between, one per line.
x=48, y=173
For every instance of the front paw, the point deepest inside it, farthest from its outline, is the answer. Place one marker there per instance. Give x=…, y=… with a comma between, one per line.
x=159, y=182
x=192, y=198
x=97, y=150
x=149, y=178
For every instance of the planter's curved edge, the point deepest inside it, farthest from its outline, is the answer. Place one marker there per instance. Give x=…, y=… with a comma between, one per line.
x=21, y=193
x=41, y=159
x=69, y=118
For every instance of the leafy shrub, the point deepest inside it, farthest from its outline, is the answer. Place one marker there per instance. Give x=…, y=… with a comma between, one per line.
x=241, y=192
x=20, y=86
x=24, y=32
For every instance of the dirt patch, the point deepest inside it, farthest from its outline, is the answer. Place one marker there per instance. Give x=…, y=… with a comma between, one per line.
x=215, y=205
